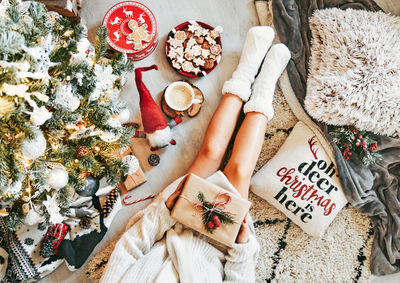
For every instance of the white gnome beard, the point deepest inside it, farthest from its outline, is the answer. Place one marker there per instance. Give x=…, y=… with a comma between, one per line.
x=159, y=138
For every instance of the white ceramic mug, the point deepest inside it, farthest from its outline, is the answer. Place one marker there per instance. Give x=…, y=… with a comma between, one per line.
x=180, y=96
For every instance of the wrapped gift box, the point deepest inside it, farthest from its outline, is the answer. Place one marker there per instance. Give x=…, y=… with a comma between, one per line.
x=201, y=200
x=136, y=177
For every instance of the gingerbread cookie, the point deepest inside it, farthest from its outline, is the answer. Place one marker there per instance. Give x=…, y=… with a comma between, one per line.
x=180, y=35
x=139, y=34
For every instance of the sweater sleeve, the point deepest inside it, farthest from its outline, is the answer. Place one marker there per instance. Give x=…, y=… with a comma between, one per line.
x=241, y=261
x=137, y=241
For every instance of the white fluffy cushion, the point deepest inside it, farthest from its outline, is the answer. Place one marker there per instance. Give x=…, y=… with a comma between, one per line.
x=302, y=182
x=354, y=71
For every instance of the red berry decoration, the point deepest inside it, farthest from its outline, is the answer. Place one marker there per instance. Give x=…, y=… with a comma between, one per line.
x=351, y=142
x=216, y=220
x=210, y=224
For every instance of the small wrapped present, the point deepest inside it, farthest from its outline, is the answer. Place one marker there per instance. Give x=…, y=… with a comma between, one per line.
x=210, y=210
x=135, y=175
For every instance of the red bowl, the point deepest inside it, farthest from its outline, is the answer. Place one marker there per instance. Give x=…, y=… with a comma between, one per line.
x=181, y=27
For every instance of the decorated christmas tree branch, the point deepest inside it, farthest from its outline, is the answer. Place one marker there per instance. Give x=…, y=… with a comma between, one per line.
x=60, y=123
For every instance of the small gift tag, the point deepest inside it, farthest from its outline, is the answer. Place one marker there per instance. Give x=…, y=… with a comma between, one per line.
x=210, y=210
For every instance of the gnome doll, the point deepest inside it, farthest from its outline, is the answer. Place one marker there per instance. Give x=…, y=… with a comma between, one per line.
x=156, y=129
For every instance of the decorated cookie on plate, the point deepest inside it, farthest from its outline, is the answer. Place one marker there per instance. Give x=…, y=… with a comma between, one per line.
x=194, y=48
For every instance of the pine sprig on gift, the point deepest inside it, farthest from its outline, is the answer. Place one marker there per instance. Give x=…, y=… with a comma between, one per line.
x=352, y=141
x=210, y=211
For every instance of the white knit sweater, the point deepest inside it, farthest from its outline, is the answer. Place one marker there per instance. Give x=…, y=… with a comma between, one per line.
x=156, y=249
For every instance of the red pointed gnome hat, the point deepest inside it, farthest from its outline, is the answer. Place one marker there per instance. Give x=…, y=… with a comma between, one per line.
x=152, y=117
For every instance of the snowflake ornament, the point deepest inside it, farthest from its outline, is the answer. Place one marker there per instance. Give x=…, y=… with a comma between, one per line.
x=65, y=99
x=53, y=209
x=41, y=54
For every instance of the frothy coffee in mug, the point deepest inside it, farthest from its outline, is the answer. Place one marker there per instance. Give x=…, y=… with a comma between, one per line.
x=180, y=97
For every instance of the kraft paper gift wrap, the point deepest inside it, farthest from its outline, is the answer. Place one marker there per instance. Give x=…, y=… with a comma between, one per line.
x=186, y=212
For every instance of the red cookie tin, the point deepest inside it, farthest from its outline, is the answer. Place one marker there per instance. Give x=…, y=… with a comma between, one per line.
x=132, y=29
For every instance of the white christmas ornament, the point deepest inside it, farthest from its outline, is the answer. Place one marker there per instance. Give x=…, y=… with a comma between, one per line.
x=65, y=99
x=124, y=115
x=14, y=188
x=109, y=136
x=41, y=54
x=40, y=115
x=32, y=218
x=58, y=178
x=105, y=81
x=32, y=149
x=132, y=162
x=53, y=209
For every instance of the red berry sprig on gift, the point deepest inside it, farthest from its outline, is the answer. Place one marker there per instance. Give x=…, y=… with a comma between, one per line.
x=213, y=214
x=361, y=143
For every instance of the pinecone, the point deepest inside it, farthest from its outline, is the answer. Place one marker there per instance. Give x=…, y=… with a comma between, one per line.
x=81, y=150
x=85, y=222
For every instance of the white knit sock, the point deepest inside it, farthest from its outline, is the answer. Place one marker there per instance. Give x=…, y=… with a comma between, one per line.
x=264, y=86
x=258, y=41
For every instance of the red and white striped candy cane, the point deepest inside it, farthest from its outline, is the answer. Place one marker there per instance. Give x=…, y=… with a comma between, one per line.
x=125, y=199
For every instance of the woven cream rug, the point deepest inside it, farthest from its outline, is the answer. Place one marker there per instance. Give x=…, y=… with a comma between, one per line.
x=290, y=255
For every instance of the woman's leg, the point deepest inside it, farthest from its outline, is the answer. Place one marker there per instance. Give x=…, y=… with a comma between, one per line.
x=236, y=90
x=217, y=136
x=259, y=110
x=246, y=149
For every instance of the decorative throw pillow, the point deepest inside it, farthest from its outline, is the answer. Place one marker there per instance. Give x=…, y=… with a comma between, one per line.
x=302, y=182
x=354, y=70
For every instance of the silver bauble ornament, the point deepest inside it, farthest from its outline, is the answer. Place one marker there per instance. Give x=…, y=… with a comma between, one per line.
x=58, y=178
x=92, y=186
x=32, y=149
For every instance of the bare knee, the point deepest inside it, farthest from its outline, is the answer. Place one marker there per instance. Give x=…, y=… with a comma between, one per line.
x=212, y=151
x=238, y=170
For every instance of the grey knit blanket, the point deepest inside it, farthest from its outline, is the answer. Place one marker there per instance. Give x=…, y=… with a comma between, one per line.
x=373, y=190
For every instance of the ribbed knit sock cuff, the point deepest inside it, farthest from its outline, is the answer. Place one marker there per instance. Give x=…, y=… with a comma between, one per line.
x=260, y=104
x=238, y=88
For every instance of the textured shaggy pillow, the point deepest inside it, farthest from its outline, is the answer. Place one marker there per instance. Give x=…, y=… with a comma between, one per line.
x=354, y=70
x=302, y=182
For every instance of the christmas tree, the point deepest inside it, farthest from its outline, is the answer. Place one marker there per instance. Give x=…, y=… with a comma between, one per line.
x=60, y=117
